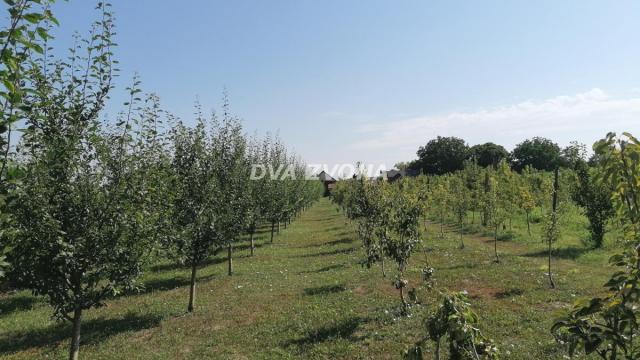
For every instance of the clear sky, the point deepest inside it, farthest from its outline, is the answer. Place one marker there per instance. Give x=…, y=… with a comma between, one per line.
x=351, y=80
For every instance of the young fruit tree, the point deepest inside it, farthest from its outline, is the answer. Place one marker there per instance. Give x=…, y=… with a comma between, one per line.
x=526, y=204
x=460, y=201
x=495, y=211
x=402, y=234
x=231, y=171
x=472, y=175
x=595, y=199
x=194, y=202
x=441, y=200
x=276, y=201
x=456, y=322
x=80, y=215
x=255, y=200
x=370, y=209
x=552, y=230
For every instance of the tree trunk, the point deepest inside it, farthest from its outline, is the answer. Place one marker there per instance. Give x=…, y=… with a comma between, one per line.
x=278, y=228
x=273, y=224
x=192, y=287
x=384, y=273
x=253, y=245
x=552, y=284
x=404, y=302
x=437, y=349
x=495, y=243
x=285, y=223
x=230, y=260
x=528, y=225
x=461, y=240
x=74, y=350
x=554, y=208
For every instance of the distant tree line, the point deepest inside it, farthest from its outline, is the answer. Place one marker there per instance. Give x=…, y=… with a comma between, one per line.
x=444, y=155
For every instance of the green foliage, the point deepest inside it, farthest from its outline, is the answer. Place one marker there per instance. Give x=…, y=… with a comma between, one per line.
x=195, y=189
x=400, y=232
x=460, y=201
x=620, y=162
x=84, y=209
x=388, y=217
x=573, y=155
x=595, y=199
x=20, y=42
x=457, y=323
x=608, y=326
x=488, y=154
x=73, y=245
x=441, y=155
x=539, y=153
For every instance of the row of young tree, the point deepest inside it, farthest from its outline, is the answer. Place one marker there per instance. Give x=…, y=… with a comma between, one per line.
x=86, y=204
x=388, y=218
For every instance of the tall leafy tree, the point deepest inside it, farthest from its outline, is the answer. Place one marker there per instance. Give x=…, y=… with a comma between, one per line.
x=441, y=155
x=539, y=153
x=573, y=154
x=488, y=154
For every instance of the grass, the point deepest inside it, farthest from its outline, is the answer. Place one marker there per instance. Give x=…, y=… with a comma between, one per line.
x=307, y=296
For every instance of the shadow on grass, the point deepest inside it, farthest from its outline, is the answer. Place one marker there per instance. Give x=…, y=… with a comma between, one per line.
x=508, y=293
x=324, y=269
x=16, y=303
x=153, y=285
x=343, y=329
x=248, y=246
x=461, y=266
x=324, y=290
x=333, y=228
x=210, y=261
x=93, y=331
x=344, y=240
x=340, y=241
x=567, y=253
x=328, y=253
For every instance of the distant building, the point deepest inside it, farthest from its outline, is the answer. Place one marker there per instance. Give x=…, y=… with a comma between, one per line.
x=328, y=181
x=395, y=175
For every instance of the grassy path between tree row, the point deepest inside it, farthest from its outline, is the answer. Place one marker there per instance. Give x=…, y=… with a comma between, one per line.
x=307, y=296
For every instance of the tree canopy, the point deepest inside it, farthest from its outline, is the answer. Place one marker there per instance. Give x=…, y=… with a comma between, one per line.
x=441, y=155
x=488, y=154
x=538, y=152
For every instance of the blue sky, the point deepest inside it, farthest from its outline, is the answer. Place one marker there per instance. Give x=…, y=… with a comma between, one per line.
x=347, y=80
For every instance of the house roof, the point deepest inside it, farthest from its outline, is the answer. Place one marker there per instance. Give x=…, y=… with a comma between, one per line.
x=323, y=176
x=393, y=173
